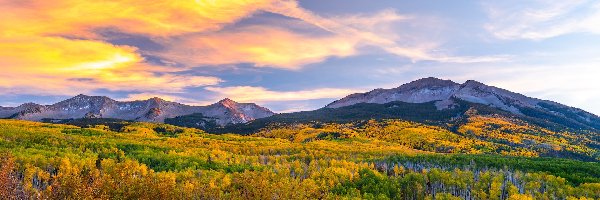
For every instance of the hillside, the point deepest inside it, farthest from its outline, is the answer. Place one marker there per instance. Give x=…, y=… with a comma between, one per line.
x=430, y=100
x=446, y=94
x=501, y=132
x=150, y=161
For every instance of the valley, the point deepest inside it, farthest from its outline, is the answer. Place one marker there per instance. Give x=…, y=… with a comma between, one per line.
x=359, y=147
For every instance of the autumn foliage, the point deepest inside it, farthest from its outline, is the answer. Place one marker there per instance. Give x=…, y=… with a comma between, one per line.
x=370, y=160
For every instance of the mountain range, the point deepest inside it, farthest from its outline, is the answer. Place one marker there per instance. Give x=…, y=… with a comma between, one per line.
x=437, y=102
x=446, y=94
x=429, y=100
x=155, y=109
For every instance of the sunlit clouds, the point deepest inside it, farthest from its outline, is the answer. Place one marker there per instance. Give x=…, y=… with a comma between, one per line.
x=51, y=65
x=57, y=43
x=52, y=47
x=262, y=46
x=153, y=17
x=374, y=30
x=544, y=19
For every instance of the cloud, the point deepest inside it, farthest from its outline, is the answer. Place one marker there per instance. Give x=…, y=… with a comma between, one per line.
x=538, y=20
x=51, y=47
x=193, y=31
x=260, y=45
x=559, y=82
x=261, y=94
x=575, y=89
x=55, y=65
x=279, y=47
x=147, y=17
x=375, y=30
x=269, y=45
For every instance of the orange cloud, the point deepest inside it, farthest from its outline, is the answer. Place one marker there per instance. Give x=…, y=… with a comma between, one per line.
x=267, y=46
x=51, y=47
x=39, y=65
x=147, y=17
x=263, y=46
x=38, y=52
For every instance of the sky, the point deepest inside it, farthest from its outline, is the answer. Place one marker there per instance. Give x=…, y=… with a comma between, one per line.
x=292, y=55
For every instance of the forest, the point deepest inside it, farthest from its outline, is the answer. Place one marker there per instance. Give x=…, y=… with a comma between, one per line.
x=373, y=159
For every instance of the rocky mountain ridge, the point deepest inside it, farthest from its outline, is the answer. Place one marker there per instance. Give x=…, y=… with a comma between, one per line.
x=424, y=100
x=155, y=109
x=445, y=93
x=437, y=102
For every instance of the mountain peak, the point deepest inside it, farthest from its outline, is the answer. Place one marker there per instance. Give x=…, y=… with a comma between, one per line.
x=473, y=83
x=29, y=104
x=88, y=97
x=434, y=80
x=154, y=109
x=442, y=91
x=418, y=91
x=237, y=112
x=428, y=79
x=156, y=99
x=427, y=83
x=227, y=100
